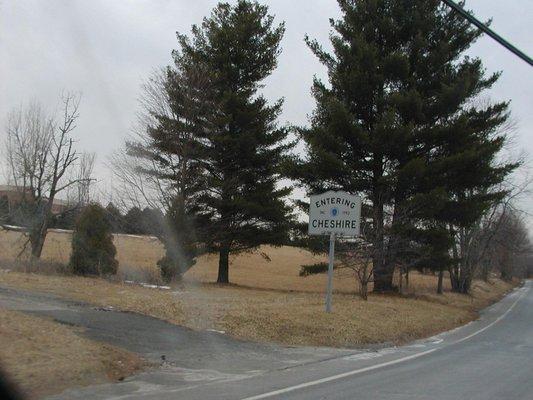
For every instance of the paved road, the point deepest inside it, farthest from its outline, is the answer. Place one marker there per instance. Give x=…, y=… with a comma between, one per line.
x=491, y=358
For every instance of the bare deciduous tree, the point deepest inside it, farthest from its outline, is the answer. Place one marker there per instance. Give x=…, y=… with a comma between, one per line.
x=474, y=244
x=357, y=255
x=43, y=162
x=140, y=176
x=510, y=247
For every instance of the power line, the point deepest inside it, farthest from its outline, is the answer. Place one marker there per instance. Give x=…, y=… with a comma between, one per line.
x=488, y=31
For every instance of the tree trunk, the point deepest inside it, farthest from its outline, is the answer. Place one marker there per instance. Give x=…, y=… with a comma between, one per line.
x=485, y=274
x=382, y=271
x=506, y=270
x=454, y=281
x=439, y=284
x=467, y=285
x=383, y=281
x=37, y=243
x=364, y=290
x=455, y=269
x=464, y=268
x=38, y=235
x=461, y=279
x=223, y=265
x=407, y=279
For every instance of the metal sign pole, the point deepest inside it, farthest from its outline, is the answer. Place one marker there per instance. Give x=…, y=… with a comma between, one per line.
x=330, y=271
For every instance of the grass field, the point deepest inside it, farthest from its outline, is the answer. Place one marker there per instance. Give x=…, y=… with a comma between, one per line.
x=44, y=357
x=295, y=318
x=135, y=252
x=268, y=300
x=138, y=256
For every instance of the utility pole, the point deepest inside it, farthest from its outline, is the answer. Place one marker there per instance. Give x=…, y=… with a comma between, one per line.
x=473, y=20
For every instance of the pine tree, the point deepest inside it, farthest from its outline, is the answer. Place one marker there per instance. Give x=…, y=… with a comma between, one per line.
x=178, y=105
x=397, y=113
x=242, y=206
x=115, y=218
x=4, y=209
x=152, y=222
x=93, y=251
x=133, y=221
x=470, y=171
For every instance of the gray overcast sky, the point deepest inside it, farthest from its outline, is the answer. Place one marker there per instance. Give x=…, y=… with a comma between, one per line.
x=105, y=48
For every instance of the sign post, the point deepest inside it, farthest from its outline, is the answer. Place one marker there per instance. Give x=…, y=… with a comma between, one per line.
x=330, y=271
x=334, y=214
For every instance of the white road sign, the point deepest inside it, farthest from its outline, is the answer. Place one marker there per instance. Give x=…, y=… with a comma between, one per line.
x=335, y=212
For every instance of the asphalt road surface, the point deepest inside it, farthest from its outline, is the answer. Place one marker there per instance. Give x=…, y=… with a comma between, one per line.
x=491, y=358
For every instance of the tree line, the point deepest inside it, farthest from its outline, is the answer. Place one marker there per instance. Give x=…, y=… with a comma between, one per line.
x=135, y=221
x=400, y=120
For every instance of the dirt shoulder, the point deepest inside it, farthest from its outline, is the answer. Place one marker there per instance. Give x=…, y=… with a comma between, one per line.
x=43, y=357
x=293, y=318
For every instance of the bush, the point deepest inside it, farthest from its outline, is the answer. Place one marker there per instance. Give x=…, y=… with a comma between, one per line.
x=4, y=209
x=313, y=269
x=93, y=251
x=169, y=269
x=172, y=266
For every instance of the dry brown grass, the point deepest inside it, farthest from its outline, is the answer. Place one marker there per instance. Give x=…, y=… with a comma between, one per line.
x=158, y=303
x=268, y=299
x=279, y=272
x=133, y=252
x=299, y=317
x=295, y=318
x=138, y=256
x=43, y=357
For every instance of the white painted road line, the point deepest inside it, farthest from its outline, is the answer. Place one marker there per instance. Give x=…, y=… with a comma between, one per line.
x=524, y=292
x=339, y=376
x=385, y=364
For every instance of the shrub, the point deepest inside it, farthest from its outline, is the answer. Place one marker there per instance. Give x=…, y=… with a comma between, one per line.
x=4, y=209
x=172, y=266
x=169, y=269
x=93, y=251
x=313, y=269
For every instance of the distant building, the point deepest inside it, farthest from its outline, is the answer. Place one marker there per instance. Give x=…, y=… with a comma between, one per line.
x=60, y=206
x=14, y=195
x=11, y=195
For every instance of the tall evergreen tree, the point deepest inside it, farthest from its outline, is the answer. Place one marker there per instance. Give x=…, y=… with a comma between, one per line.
x=466, y=164
x=397, y=113
x=177, y=105
x=242, y=206
x=133, y=221
x=115, y=218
